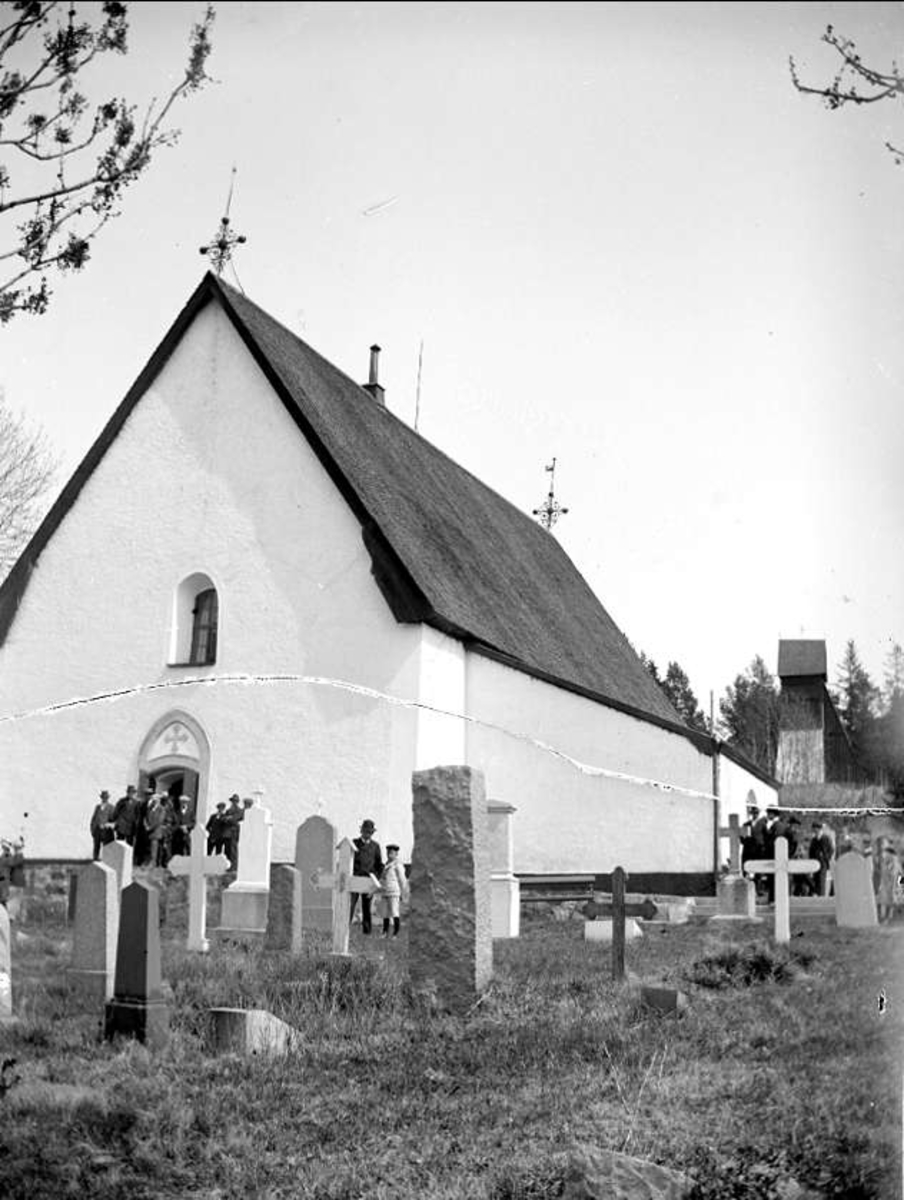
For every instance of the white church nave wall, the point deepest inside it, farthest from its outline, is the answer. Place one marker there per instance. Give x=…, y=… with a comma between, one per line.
x=569, y=821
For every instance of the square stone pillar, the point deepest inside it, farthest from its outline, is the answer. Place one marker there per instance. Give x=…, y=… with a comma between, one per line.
x=451, y=938
x=505, y=890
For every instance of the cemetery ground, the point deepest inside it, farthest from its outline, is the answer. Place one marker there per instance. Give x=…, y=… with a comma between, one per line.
x=781, y=1080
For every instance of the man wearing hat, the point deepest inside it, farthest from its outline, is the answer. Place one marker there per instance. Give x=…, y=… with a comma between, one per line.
x=368, y=860
x=232, y=821
x=215, y=830
x=125, y=816
x=102, y=824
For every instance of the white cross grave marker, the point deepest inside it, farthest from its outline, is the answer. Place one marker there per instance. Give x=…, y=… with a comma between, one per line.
x=343, y=883
x=782, y=867
x=197, y=866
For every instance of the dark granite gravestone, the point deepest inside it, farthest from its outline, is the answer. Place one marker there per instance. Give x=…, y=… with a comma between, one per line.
x=138, y=1009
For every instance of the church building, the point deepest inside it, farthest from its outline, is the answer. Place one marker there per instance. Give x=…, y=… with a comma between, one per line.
x=304, y=599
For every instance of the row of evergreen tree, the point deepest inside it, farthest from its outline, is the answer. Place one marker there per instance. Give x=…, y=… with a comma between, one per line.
x=872, y=714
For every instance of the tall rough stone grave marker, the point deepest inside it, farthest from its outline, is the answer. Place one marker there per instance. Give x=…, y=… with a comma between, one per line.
x=138, y=1009
x=315, y=845
x=6, y=967
x=284, y=912
x=95, y=930
x=855, y=900
x=451, y=937
x=244, y=903
x=118, y=855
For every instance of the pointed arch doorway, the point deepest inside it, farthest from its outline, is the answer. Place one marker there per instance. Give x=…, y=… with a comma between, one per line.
x=175, y=757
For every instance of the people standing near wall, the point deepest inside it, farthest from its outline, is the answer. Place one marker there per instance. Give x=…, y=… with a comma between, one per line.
x=101, y=826
x=393, y=890
x=232, y=819
x=155, y=828
x=125, y=816
x=216, y=830
x=822, y=848
x=184, y=826
x=368, y=860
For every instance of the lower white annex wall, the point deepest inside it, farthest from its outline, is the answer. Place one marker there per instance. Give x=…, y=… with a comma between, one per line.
x=569, y=820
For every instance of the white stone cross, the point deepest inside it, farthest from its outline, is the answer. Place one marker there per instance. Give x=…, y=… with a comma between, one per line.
x=197, y=866
x=175, y=736
x=782, y=867
x=343, y=884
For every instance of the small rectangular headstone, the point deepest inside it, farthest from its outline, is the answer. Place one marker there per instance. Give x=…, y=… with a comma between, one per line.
x=95, y=931
x=451, y=939
x=284, y=910
x=315, y=845
x=118, y=855
x=855, y=899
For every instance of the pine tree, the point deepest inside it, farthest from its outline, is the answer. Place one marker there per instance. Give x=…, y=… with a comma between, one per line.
x=749, y=713
x=677, y=688
x=857, y=697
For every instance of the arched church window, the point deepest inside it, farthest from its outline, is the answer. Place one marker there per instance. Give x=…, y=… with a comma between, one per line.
x=195, y=625
x=204, y=627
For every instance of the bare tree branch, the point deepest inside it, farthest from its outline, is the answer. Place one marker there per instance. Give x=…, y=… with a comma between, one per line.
x=27, y=470
x=107, y=148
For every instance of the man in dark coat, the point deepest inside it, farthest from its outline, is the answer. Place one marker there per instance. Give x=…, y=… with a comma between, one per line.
x=822, y=848
x=368, y=860
x=102, y=830
x=125, y=816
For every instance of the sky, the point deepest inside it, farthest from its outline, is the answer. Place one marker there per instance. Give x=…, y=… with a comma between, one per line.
x=624, y=240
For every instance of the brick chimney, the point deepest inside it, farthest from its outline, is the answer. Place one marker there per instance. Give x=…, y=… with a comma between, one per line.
x=373, y=385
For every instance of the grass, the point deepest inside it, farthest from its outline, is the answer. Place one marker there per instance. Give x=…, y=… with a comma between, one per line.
x=784, y=1069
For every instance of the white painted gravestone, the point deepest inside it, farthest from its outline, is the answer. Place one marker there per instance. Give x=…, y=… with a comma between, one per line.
x=315, y=846
x=855, y=900
x=198, y=867
x=245, y=901
x=505, y=890
x=781, y=867
x=95, y=932
x=118, y=855
x=342, y=883
x=451, y=936
x=6, y=967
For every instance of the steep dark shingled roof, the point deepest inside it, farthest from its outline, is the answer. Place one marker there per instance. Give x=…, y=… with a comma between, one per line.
x=801, y=657
x=446, y=549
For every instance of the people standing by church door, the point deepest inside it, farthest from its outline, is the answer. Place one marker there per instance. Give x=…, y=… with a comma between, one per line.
x=125, y=816
x=216, y=831
x=102, y=829
x=155, y=828
x=231, y=822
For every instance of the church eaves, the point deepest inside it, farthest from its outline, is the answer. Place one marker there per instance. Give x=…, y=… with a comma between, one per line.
x=446, y=549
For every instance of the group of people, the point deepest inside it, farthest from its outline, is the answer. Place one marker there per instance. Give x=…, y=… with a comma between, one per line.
x=224, y=826
x=368, y=860
x=156, y=825
x=759, y=835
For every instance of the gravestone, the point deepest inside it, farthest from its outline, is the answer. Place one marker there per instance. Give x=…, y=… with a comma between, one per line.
x=735, y=895
x=138, y=1009
x=118, y=855
x=343, y=883
x=505, y=890
x=95, y=931
x=782, y=868
x=284, y=912
x=198, y=866
x=315, y=846
x=6, y=967
x=450, y=943
x=244, y=902
x=252, y=1031
x=602, y=931
x=855, y=900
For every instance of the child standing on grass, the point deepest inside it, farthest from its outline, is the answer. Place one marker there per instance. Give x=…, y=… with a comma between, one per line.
x=889, y=891
x=393, y=889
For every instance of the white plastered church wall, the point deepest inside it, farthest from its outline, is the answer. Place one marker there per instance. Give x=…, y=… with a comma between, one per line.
x=737, y=788
x=568, y=821
x=210, y=473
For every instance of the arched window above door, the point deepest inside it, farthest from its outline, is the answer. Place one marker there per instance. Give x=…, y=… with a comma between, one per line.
x=196, y=619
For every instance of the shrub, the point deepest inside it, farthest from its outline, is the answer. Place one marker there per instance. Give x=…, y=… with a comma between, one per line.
x=741, y=966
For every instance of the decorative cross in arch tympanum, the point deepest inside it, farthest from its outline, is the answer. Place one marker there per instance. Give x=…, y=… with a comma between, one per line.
x=174, y=737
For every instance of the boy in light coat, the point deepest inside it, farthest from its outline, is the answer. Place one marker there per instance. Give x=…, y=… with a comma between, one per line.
x=393, y=889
